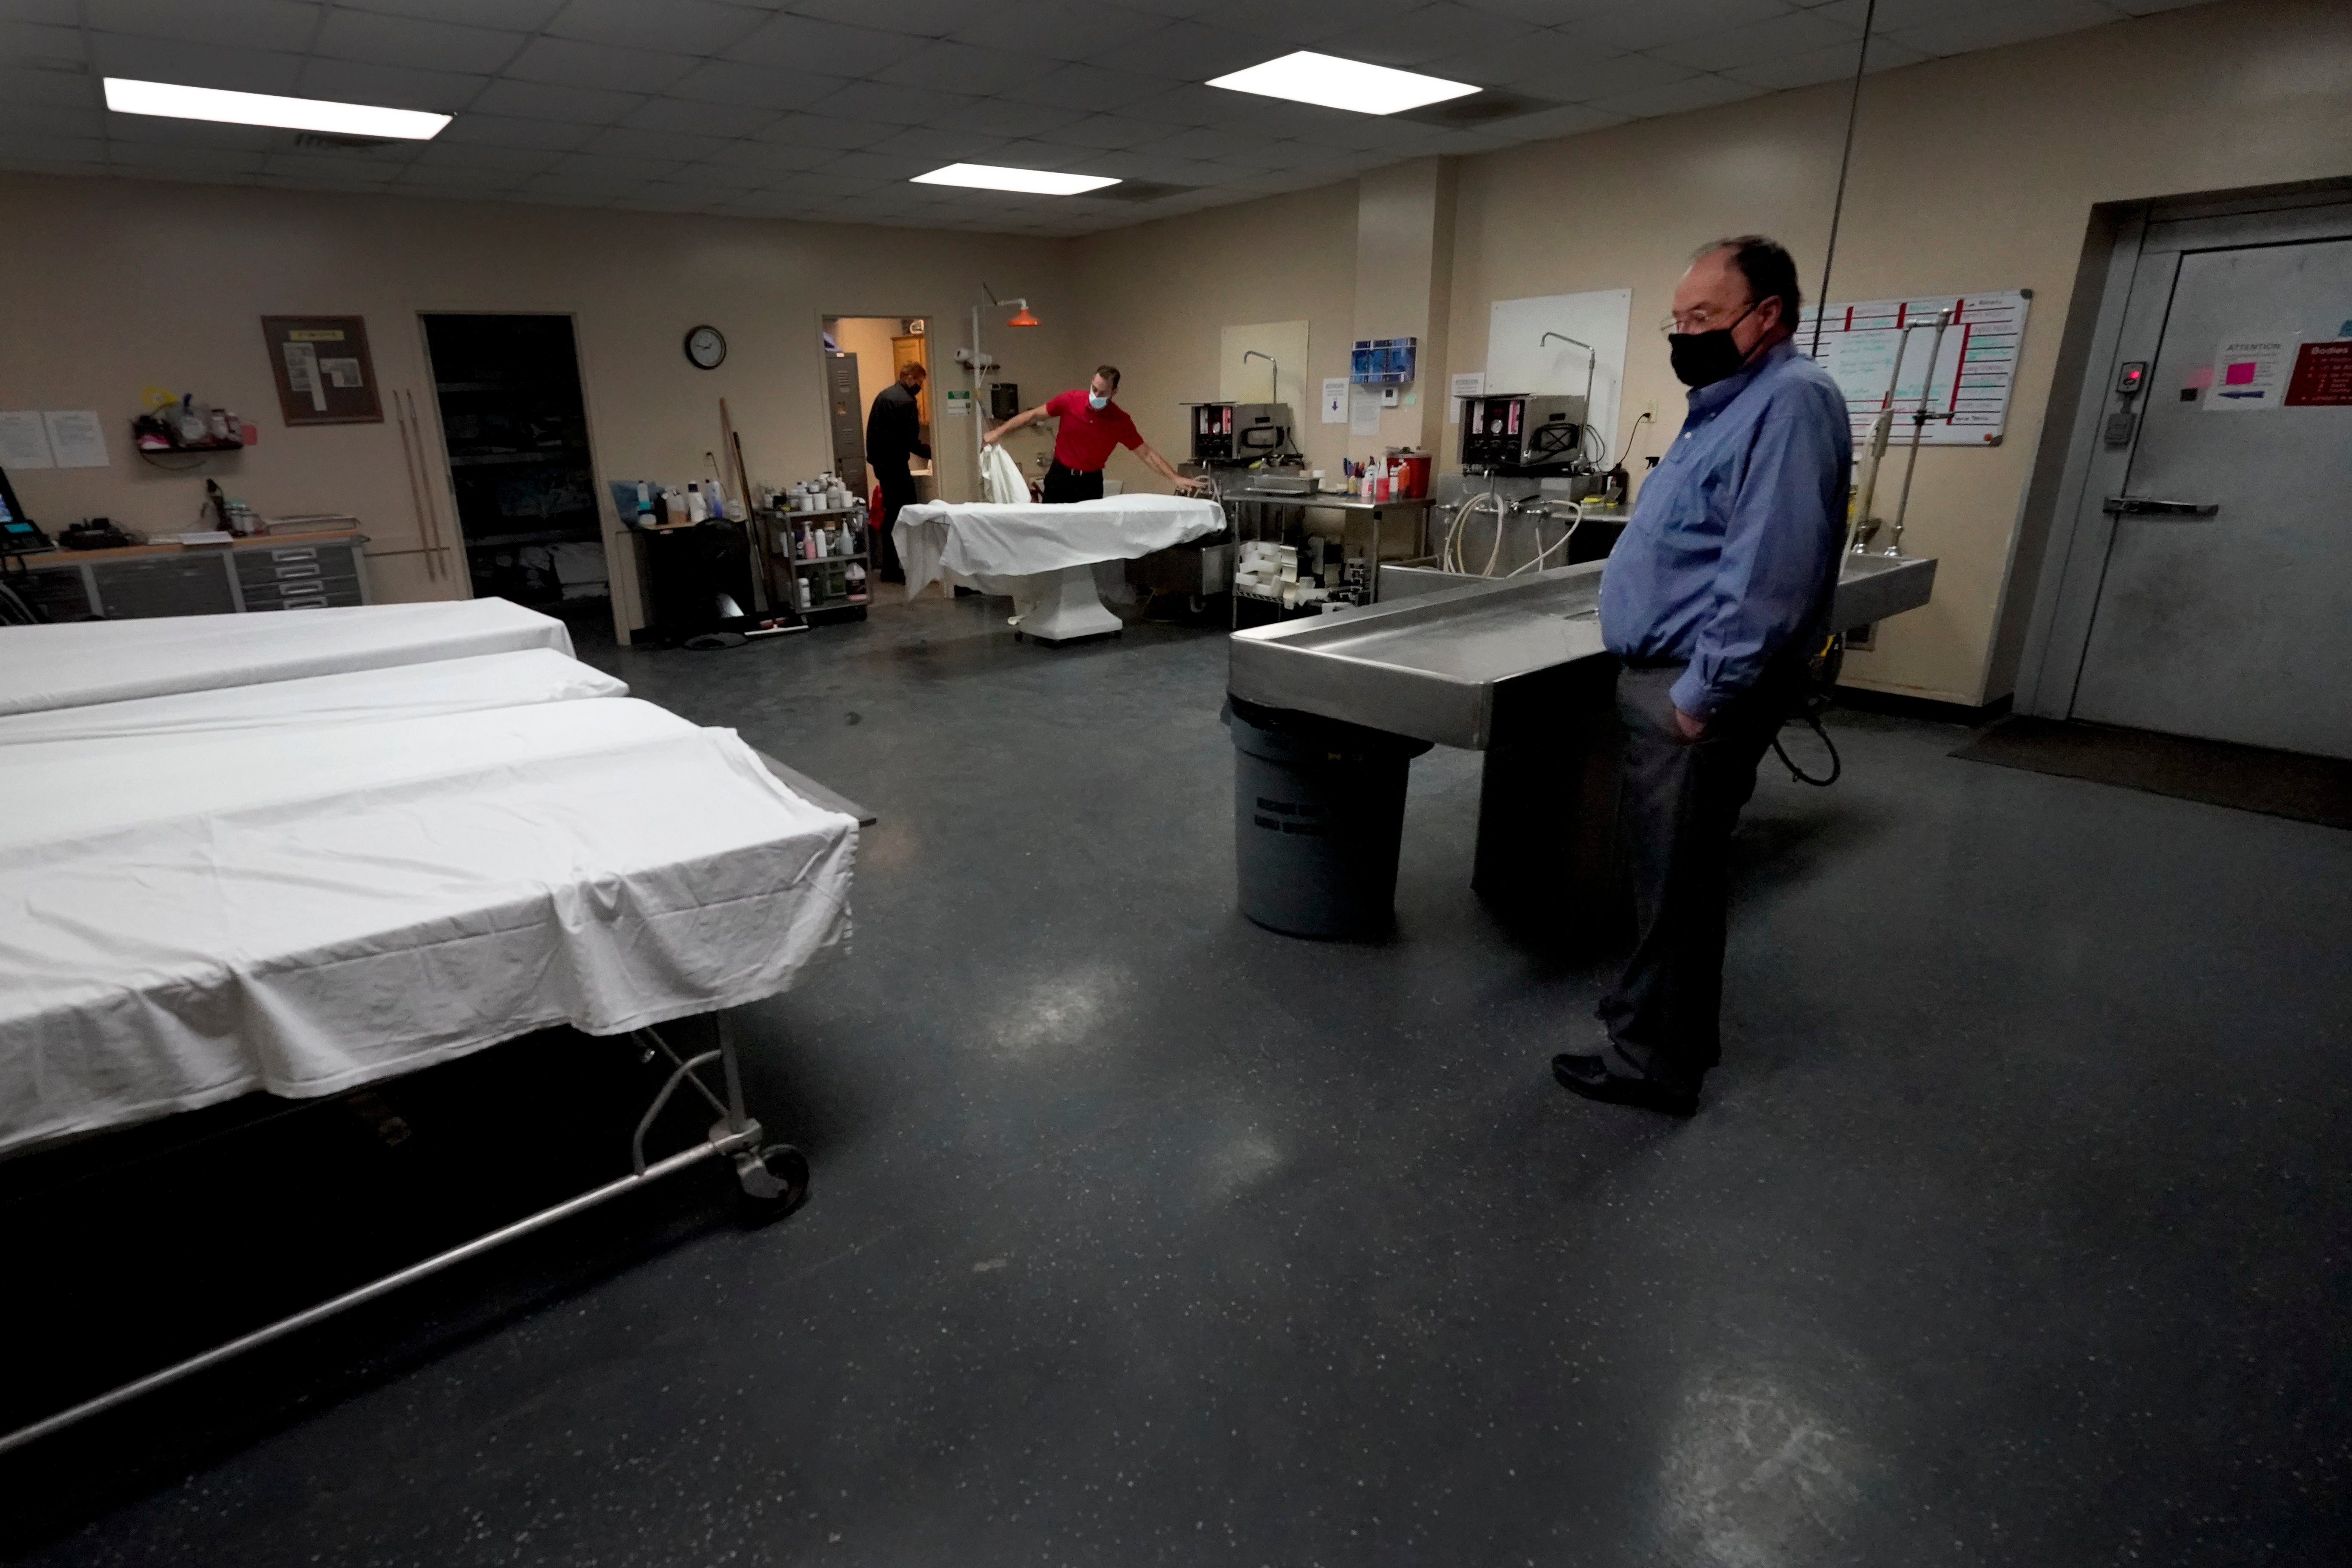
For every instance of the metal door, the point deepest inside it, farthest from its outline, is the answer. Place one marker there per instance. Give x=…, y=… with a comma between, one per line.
x=2222, y=609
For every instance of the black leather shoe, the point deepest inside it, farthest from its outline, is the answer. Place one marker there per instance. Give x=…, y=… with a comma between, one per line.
x=1591, y=1077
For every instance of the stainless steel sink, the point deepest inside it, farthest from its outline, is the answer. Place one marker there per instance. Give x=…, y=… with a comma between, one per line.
x=1463, y=665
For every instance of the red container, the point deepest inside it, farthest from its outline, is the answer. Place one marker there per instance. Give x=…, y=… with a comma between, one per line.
x=1413, y=475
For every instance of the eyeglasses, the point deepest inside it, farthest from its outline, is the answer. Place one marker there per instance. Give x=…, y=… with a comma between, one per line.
x=1703, y=320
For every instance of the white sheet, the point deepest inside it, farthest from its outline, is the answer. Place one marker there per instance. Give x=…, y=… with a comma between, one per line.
x=115, y=661
x=941, y=540
x=317, y=908
x=404, y=691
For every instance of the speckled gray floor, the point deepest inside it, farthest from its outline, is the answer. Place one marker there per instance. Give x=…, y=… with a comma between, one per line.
x=2014, y=1230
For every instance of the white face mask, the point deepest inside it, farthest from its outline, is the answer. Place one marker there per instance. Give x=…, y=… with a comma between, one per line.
x=1097, y=399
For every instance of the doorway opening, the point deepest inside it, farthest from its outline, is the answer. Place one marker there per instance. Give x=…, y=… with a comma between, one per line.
x=864, y=354
x=517, y=432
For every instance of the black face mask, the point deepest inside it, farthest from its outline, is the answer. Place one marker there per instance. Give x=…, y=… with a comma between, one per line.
x=1702, y=359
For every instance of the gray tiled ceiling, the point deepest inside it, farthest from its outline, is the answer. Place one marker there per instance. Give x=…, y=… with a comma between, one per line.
x=824, y=109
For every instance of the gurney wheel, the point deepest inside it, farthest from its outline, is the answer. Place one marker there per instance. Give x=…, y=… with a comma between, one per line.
x=776, y=1178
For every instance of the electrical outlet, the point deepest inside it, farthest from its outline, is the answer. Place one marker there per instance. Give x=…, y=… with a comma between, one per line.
x=1650, y=410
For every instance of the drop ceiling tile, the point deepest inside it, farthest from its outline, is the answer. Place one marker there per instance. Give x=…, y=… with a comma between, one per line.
x=1676, y=98
x=1410, y=41
x=442, y=177
x=407, y=41
x=24, y=147
x=1569, y=120
x=753, y=86
x=1077, y=87
x=337, y=167
x=674, y=145
x=1646, y=24
x=1891, y=15
x=1057, y=29
x=346, y=81
x=31, y=89
x=816, y=185
x=51, y=120
x=220, y=161
x=253, y=24
x=722, y=177
x=610, y=169
x=681, y=26
x=127, y=130
x=795, y=42
x=874, y=168
x=1302, y=23
x=1800, y=31
x=41, y=46
x=773, y=157
x=224, y=65
x=1532, y=63
x=1110, y=130
x=1986, y=28
x=572, y=188
x=1833, y=64
x=888, y=105
x=544, y=101
x=696, y=118
x=566, y=62
x=1003, y=117
x=1627, y=73
x=821, y=131
x=518, y=16
x=1038, y=153
x=920, y=18
x=46, y=13
x=964, y=68
x=1201, y=141
x=500, y=130
x=1542, y=12
x=935, y=146
x=2152, y=8
x=1180, y=51
x=443, y=155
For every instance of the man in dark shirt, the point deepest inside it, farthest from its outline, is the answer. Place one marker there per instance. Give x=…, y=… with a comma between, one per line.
x=894, y=432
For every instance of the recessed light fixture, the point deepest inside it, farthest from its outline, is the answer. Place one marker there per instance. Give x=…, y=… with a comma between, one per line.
x=1327, y=80
x=171, y=101
x=1034, y=182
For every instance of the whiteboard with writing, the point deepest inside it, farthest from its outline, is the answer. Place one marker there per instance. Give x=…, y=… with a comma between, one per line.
x=1878, y=350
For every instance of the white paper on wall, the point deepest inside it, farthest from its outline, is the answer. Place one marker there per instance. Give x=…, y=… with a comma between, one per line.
x=1876, y=351
x=77, y=438
x=24, y=440
x=2250, y=372
x=1468, y=383
x=1363, y=410
x=1335, y=400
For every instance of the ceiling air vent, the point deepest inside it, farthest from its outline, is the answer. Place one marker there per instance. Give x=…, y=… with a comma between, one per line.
x=328, y=142
x=1478, y=109
x=1139, y=191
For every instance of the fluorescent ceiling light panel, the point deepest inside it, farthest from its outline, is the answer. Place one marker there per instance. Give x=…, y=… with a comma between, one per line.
x=173, y=103
x=1327, y=80
x=1034, y=182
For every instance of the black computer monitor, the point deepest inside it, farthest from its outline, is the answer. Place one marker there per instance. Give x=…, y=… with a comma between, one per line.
x=18, y=533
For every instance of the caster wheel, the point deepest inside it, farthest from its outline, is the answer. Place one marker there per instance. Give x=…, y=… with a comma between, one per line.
x=776, y=1179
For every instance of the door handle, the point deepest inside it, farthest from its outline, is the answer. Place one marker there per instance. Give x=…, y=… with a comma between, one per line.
x=2140, y=506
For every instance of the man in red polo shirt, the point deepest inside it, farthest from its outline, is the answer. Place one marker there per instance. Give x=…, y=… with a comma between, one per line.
x=1091, y=424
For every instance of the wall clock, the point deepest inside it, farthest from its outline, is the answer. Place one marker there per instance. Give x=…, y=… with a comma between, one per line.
x=706, y=347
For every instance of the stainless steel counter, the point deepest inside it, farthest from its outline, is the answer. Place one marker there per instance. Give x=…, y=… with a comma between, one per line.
x=1457, y=662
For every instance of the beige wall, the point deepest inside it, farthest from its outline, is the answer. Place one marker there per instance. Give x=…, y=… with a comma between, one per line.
x=1971, y=173
x=1977, y=173
x=1155, y=300
x=122, y=284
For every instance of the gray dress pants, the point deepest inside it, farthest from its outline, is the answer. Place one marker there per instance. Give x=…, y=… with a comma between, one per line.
x=1680, y=801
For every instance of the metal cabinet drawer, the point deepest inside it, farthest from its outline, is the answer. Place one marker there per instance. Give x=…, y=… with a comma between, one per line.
x=189, y=586
x=344, y=590
x=293, y=562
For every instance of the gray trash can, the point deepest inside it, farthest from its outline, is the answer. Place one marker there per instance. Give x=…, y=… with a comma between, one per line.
x=1319, y=814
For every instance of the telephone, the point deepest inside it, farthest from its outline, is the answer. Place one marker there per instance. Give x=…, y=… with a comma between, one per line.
x=18, y=533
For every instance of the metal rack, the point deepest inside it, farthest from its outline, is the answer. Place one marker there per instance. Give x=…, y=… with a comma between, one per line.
x=1286, y=514
x=783, y=568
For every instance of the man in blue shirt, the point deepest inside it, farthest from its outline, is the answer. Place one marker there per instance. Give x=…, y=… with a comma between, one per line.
x=1715, y=599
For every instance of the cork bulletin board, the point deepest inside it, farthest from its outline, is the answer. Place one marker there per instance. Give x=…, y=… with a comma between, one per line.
x=324, y=374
